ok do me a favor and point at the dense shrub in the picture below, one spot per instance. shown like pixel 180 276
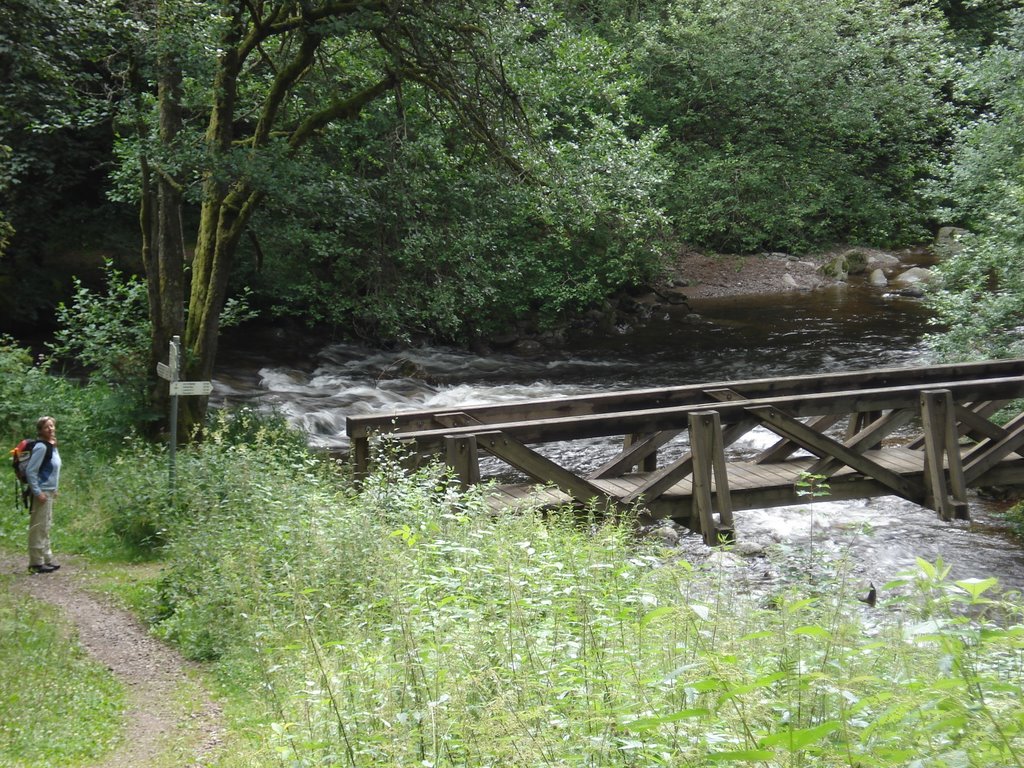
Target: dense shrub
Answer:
pixel 798 123
pixel 407 624
pixel 981 300
pixel 90 418
pixel 248 515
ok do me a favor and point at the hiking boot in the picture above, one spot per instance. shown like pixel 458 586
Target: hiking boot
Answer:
pixel 53 566
pixel 42 568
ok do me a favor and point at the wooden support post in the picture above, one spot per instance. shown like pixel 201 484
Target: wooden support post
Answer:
pixel 462 456
pixel 361 457
pixel 708 451
pixel 942 451
pixel 650 461
pixel 973 421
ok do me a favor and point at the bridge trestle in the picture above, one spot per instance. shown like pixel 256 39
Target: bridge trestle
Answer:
pixel 924 434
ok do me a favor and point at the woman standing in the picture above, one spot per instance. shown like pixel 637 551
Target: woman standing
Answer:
pixel 43 472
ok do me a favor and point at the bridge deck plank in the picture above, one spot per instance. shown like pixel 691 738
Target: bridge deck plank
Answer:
pixel 771 484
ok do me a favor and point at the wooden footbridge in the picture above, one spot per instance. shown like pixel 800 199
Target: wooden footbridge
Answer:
pixel 925 434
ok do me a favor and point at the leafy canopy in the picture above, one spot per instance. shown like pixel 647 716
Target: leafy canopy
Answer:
pixel 797 122
pixel 982 296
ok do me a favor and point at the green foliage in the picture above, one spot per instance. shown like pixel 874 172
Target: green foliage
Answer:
pixel 57 706
pixel 976 24
pixel 797 123
pixel 986 175
pixel 6 231
pixel 429 235
pixel 980 301
pixel 131 499
pixel 812 485
pixel 250 516
pixel 56 57
pixel 108 334
pixel 982 294
pixel 406 624
pixel 1015 516
pixel 132 509
pixel 28 390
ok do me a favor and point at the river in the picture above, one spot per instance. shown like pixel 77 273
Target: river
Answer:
pixel 316 386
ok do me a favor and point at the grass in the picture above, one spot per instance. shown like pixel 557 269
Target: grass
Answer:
pixel 406 625
pixel 401 623
pixel 57 707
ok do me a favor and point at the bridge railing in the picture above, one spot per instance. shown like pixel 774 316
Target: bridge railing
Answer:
pixel 361 428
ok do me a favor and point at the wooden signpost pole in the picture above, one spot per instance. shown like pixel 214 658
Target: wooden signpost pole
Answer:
pixel 170 372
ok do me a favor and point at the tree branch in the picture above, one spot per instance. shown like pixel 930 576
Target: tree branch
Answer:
pixel 326 11
pixel 342 109
pixel 283 83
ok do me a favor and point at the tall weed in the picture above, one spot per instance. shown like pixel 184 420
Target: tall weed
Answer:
pixel 252 515
pixel 407 624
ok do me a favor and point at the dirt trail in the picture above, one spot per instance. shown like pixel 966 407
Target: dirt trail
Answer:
pixel 158 730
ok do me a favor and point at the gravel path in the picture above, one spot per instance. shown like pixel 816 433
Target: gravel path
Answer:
pixel 158 730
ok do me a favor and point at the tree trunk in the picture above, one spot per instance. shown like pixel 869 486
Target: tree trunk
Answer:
pixel 163 249
pixel 223 215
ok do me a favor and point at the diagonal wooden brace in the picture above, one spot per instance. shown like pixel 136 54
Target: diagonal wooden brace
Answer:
pixel 784 448
pixel 635 453
pixel 989 453
pixel 870 436
pixel 543 469
pixel 825 447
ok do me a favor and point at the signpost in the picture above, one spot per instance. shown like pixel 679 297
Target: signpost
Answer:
pixel 187 388
pixel 170 372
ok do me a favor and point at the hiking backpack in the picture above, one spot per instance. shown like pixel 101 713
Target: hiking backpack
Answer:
pixel 20 454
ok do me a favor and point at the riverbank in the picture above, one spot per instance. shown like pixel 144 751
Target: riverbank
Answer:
pixel 690 280
pixel 700 275
pixel 707 275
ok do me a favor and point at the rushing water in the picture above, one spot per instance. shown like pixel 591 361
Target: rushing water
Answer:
pixel 846 328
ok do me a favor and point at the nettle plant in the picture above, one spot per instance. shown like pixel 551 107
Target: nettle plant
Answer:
pixel 404 623
pixel 487 640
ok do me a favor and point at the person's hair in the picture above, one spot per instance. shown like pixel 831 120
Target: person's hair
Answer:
pixel 41 422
